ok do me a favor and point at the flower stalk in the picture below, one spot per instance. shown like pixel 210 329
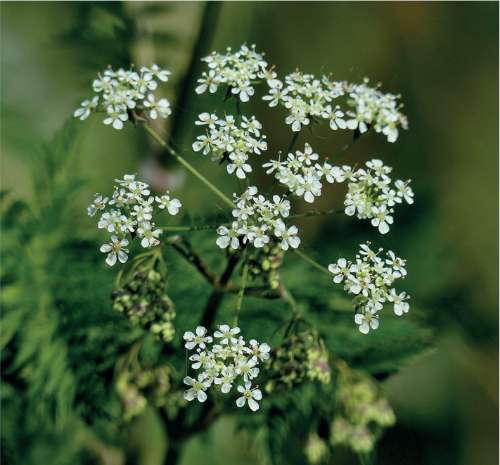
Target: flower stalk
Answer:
pixel 188 166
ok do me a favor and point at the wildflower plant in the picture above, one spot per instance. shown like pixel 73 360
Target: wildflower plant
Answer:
pixel 258 232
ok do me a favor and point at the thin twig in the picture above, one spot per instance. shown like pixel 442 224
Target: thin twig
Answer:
pixel 312 262
pixel 202 227
pixel 292 142
pixel 333 211
pixel 241 293
pixel 188 165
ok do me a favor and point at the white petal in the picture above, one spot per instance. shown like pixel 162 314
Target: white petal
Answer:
pixel 111 259
pixel 254 406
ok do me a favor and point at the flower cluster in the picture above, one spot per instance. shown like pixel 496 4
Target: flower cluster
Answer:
pixel 308 99
pixel 227 141
pixel 370 194
pixel 369 279
pixel 257 221
pixel 301 356
pixel 144 302
pixel 129 212
pixel 222 360
pixel 362 412
pixel 237 70
pixel 123 91
pixel 301 173
pixel 371 107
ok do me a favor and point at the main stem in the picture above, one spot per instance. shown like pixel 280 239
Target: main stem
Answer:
pixel 188 166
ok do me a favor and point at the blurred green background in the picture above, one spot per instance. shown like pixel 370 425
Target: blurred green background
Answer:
pixel 442 58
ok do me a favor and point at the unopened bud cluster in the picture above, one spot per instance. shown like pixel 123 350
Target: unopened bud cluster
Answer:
pixel 135 389
pixel 361 414
pixel 264 264
pixel 144 302
pixel 301 356
pixel 316 449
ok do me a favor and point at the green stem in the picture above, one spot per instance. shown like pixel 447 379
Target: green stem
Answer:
pixel 241 293
pixel 292 142
pixel 202 227
pixel 312 262
pixel 188 166
pixel 316 213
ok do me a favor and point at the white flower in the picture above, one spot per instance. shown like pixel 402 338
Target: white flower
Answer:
pixel 226 379
pixel 203 143
pixel 341 270
pixel 382 219
pixel 227 334
pixel 209 119
pixel 149 235
pixel 157 108
pixel 199 339
pixel 366 321
pixel 399 300
pixel 398 264
pixel 98 204
pixel 156 71
pixel 116 117
pixel 404 191
pixel 201 359
pixel 172 205
pixel 86 107
pixel 197 390
pixel 337 119
pixel 229 238
pixel 208 82
pixel 259 351
pixel 288 236
pixel 115 249
pixel 249 395
pixel 247 369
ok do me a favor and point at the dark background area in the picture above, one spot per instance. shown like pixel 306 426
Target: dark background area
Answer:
pixel 442 58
